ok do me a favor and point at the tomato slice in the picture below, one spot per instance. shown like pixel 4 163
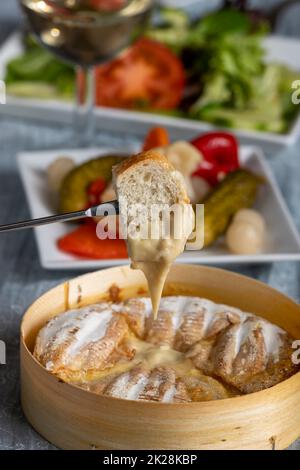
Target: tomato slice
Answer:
pixel 148 75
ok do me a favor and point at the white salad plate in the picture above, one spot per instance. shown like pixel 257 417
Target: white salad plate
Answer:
pixel 279 49
pixel 282 240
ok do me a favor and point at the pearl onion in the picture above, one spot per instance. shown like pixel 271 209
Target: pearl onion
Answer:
pixel 244 238
pixel 252 217
pixel 57 171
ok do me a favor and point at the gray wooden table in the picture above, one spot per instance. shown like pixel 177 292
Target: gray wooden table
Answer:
pixel 22 279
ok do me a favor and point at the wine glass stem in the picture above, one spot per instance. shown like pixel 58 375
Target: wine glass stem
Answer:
pixel 84 119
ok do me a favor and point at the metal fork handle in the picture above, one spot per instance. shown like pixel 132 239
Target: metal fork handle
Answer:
pixel 101 210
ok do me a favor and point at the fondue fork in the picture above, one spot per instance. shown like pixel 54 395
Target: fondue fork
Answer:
pixel 102 210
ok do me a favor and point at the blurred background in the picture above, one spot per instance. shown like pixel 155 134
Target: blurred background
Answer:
pixel 288 19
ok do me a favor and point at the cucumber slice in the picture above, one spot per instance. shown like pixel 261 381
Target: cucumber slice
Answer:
pixel 32 90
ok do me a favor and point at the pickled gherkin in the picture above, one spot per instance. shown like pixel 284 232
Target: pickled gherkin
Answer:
pixel 73 193
pixel 237 191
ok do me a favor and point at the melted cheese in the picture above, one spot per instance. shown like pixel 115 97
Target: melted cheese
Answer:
pixel 150 356
pixel 156 356
pixel 154 256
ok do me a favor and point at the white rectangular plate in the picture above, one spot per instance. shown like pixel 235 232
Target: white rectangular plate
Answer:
pixel 279 49
pixel 283 242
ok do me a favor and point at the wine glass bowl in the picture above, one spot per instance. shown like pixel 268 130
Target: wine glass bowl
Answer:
pixel 86 33
pixel 83 32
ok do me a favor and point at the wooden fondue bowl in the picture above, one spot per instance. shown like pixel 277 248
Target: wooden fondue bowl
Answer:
pixel 72 418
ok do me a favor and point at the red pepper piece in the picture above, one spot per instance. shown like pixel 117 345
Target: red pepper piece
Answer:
pixel 218 147
pixel 220 152
pixel 95 190
pixel 83 241
pixel 213 175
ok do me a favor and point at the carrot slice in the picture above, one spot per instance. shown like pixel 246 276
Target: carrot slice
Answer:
pixel 156 137
pixel 84 242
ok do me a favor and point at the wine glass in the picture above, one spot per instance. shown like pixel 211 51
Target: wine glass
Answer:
pixel 86 33
pixel 238 4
